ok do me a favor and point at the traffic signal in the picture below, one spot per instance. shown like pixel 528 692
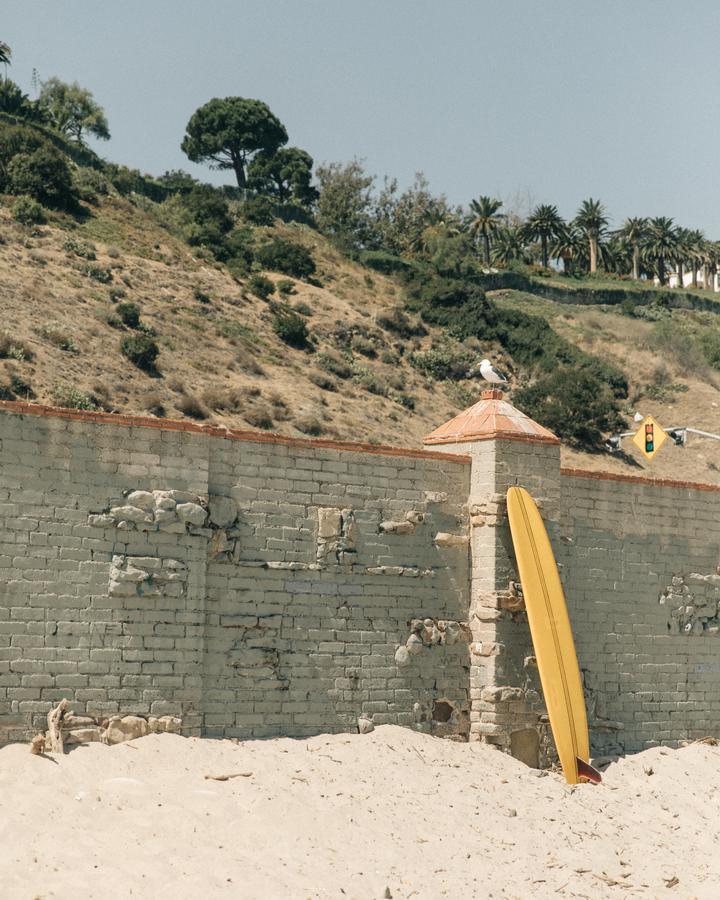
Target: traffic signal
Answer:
pixel 649 437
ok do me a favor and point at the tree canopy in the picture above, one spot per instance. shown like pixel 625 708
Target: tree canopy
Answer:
pixel 72 110
pixel 229 132
pixel 285 174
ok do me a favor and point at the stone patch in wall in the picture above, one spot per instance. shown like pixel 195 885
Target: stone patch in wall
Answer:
pixel 427 633
pixel 214 518
pixel 692 602
pixel 336 536
pixel 146 576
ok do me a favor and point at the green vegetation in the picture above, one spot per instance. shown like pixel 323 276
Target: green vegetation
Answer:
pixel 141 350
pixel 291 328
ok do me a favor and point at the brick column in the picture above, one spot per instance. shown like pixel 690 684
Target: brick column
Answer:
pixel 507 448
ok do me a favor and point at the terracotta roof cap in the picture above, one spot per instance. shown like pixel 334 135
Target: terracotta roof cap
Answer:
pixel 491 418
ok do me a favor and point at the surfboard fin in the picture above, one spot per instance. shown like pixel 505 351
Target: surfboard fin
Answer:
pixel 585 770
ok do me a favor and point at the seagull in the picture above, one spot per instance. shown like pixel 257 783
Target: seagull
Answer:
pixel 638 417
pixel 491 374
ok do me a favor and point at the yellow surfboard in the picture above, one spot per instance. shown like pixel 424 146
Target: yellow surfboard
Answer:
pixel 552 637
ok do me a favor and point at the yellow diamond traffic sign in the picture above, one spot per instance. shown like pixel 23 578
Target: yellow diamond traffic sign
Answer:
pixel 650 437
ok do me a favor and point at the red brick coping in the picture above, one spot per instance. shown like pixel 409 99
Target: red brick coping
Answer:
pixel 638 479
pixel 259 437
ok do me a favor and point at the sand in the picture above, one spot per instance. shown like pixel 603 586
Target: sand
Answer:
pixel 352 817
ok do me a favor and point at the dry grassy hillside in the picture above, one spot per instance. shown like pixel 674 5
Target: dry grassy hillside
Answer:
pixel 221 361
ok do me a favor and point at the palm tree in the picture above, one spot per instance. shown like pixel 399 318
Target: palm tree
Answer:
pixel 509 244
pixel 695 241
pixel 5 54
pixel 683 252
pixel 544 223
pixel 592 220
pixel 661 244
pixel 633 234
pixel 486 220
pixel 569 246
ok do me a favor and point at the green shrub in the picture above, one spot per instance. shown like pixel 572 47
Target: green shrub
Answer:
pixel 364 346
pixel 141 350
pixel 201 296
pixel 287 257
pixel 291 328
pixel 334 364
pixel 401 324
pixel 21 387
pixel 574 404
pixel 261 286
pixel 371 382
pixel 97 273
pixel 12 348
pixel 303 309
pixel 79 248
pixel 285 287
pixel 383 262
pixel 443 363
pixel 129 314
pixel 71 398
pixel 58 337
pixel 27 211
pixel 405 400
pixel 90 184
pixel 43 175
pixel 258 210
pixel 116 293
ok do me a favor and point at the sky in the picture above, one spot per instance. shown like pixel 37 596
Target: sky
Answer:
pixel 531 102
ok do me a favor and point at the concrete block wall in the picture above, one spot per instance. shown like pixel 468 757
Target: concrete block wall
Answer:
pixel 641 576
pixel 251 585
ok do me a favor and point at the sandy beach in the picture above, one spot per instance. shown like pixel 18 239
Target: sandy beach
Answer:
pixel 389 814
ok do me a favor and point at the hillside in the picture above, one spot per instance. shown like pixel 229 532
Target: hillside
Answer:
pixel 221 361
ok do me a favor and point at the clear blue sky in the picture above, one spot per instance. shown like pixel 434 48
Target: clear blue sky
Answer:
pixel 555 100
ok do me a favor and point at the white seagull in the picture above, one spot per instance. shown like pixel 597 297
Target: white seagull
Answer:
pixel 491 374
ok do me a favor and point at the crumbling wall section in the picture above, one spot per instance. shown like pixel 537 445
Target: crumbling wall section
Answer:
pixel 248 586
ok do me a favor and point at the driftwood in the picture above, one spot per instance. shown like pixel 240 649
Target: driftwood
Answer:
pixel 54 742
pixel 228 777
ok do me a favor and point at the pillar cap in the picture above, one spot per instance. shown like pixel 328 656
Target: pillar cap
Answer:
pixel 492 418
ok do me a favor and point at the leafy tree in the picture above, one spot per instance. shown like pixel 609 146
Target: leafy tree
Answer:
pixel 228 133
pixel 591 219
pixel 72 110
pixel 176 181
pixel 400 220
pixel 572 403
pixel 44 175
pixel 207 219
pixel 661 244
pixel 485 220
pixel 633 233
pixel 544 223
pixel 285 174
pixel 344 204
